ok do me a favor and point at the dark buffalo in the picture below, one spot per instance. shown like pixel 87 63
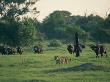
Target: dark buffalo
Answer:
pixel 2 50
pixel 70 49
pixel 38 49
pixel 9 50
pixel 6 50
pixel 19 50
pixel 99 50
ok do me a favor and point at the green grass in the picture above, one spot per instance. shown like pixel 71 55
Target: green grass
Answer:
pixel 31 67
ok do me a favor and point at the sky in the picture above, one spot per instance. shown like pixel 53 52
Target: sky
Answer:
pixel 76 7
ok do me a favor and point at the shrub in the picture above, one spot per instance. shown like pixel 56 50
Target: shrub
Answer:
pixel 55 43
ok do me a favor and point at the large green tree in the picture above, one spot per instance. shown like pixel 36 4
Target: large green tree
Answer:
pixel 13 31
pixel 61 25
pixel 54 25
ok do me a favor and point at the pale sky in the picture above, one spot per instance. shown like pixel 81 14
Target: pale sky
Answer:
pixel 76 7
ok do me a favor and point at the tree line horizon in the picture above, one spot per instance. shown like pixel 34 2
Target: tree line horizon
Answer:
pixel 59 25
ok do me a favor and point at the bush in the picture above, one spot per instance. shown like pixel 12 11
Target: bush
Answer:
pixel 55 43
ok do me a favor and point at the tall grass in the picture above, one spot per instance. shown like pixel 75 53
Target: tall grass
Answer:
pixel 31 67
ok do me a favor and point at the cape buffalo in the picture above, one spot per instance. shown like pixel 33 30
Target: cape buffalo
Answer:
pixel 38 49
pixel 99 50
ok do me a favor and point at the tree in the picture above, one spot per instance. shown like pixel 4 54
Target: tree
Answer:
pixel 54 25
pixel 107 22
pixel 61 25
pixel 89 24
pixel 14 8
pixel 72 29
pixel 27 32
pixel 9 32
pixel 102 34
pixel 12 30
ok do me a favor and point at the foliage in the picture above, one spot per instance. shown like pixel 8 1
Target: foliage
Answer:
pixel 9 32
pixel 27 32
pixel 102 35
pixel 55 43
pixel 17 33
pixel 62 25
pixel 54 25
pixel 12 9
pixel 14 31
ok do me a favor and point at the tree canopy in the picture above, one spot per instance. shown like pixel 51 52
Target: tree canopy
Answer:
pixel 63 25
pixel 60 25
pixel 12 30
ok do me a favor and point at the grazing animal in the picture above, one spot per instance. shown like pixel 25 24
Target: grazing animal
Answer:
pixel 75 49
pixel 102 51
pixel 38 49
pixel 14 50
pixel 61 60
pixel 19 50
pixel 10 50
pixel 2 50
pixel 70 49
pixel 7 50
pixel 99 50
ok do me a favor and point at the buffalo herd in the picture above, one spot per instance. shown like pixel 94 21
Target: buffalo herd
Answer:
pixel 6 50
pixel 98 49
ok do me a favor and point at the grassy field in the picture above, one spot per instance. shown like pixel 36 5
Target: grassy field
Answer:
pixel 31 67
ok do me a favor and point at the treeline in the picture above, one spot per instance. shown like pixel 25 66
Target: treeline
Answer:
pixel 60 25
